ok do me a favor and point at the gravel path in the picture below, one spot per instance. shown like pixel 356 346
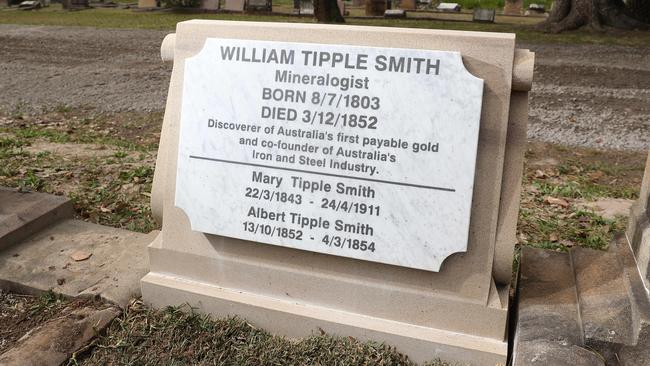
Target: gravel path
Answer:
pixel 584 95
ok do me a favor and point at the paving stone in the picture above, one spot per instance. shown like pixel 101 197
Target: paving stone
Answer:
pixel 640 353
pixel 548 331
pixel 55 341
pixel 608 208
pixel 24 213
pixel 117 263
pixel 606 307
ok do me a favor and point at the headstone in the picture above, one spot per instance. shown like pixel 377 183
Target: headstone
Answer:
pixel 210 4
pixel 452 7
pixel 408 4
pixel 395 13
pixel 75 4
pixel 259 5
pixel 513 7
pixel 484 15
pixel 234 5
pixel 537 8
pixel 376 8
pixel 307 7
pixel 358 3
pixel 144 4
pixel 352 180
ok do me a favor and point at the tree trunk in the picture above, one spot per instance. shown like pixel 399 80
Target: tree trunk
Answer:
pixel 327 11
pixel 639 10
pixel 573 14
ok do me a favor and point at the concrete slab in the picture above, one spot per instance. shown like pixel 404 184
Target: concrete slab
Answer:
pixel 608 208
pixel 43 262
pixel 548 330
pixel 24 213
pixel 54 342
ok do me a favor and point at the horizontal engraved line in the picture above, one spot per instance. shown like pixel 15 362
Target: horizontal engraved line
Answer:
pixel 322 173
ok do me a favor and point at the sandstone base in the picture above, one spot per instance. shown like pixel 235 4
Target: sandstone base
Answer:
pixel 293 317
pixel 301 320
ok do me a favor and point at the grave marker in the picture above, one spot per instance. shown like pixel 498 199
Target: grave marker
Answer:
pixel 396 224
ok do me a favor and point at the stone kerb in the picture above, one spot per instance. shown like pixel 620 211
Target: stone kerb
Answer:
pixel 638 232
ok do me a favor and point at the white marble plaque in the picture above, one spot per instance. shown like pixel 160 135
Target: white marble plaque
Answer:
pixel 360 152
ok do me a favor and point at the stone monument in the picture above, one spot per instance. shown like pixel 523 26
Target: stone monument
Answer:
pixel 408 4
pixel 513 7
pixel 235 5
pixel 147 4
pixel 363 185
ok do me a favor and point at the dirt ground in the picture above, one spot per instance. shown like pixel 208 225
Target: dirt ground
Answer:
pixel 21 313
pixel 584 95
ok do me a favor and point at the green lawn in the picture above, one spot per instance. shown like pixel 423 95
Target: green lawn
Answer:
pixel 165 20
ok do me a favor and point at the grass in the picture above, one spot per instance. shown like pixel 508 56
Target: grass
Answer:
pixel 552 215
pixel 179 336
pixel 164 20
pixel 103 163
pixel 498 4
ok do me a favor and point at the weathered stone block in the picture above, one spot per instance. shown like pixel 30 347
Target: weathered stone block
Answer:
pixel 25 213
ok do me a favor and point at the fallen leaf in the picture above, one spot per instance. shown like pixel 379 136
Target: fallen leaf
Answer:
pixel 104 209
pixel 556 201
pixel 553 237
pixel 80 255
pixel 567 243
pixel 597 175
pixel 540 174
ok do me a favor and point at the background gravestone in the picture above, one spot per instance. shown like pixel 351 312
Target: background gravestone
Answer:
pixel 235 5
pixel 513 7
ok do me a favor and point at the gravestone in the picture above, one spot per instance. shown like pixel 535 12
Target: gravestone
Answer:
pixel 376 8
pixel 395 13
pixel 235 5
pixel 484 15
pixel 359 180
pixel 259 5
pixel 450 7
pixel 537 8
pixel 307 7
pixel 408 4
pixel 513 7
pixel 210 4
pixel 144 4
